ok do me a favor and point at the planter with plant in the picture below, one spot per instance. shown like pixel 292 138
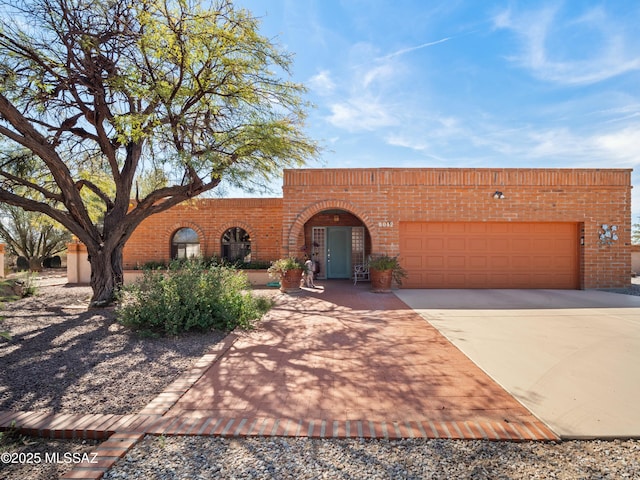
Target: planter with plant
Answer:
pixel 384 270
pixel 289 272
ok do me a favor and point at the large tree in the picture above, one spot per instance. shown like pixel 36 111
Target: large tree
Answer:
pixel 130 88
pixel 31 234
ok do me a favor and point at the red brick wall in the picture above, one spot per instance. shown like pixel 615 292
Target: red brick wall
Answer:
pixel 382 198
pixel 260 217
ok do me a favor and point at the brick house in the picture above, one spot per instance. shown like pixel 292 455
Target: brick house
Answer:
pixel 453 228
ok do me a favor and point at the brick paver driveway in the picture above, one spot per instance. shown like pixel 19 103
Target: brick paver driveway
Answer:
pixel 340 353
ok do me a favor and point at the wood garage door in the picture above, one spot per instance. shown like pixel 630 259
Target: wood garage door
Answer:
pixel 489 255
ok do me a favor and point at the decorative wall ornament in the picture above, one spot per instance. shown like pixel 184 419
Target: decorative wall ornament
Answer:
pixel 608 234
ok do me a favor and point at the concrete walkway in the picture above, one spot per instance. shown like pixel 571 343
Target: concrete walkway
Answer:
pixel 571 357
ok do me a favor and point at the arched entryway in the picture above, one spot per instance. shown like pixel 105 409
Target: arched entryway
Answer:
pixel 336 240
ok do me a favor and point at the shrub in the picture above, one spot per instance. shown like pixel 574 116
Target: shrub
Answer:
pixel 253 265
pixel 152 265
pixel 24 285
pixel 190 296
pixel 281 266
pixel 385 262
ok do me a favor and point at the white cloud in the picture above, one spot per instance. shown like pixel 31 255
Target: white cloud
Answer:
pixel 563 146
pixel 584 50
pixel 406 141
pixel 379 73
pixel 621 145
pixel 361 114
pixel 363 98
pixel 490 142
pixel 322 83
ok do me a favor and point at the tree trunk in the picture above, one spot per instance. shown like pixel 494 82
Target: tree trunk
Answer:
pixel 106 275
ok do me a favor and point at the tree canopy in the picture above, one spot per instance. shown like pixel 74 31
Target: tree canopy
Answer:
pixel 96 94
pixel 31 234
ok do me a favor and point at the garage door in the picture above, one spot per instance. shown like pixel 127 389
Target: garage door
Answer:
pixel 489 255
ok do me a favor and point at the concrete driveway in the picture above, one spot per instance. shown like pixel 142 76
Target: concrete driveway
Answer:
pixel 571 357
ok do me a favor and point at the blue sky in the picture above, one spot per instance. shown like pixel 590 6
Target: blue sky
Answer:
pixel 426 83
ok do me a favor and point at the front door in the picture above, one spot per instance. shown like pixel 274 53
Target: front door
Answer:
pixel 338 252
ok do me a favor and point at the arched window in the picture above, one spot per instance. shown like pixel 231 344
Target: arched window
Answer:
pixel 236 245
pixel 185 244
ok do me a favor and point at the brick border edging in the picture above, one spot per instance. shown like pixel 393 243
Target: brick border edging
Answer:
pixel 123 432
pixel 120 432
pixel 345 429
pixel 71 427
pixel 120 442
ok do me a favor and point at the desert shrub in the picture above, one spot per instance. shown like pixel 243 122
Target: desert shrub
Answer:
pixel 25 285
pixel 190 296
pixel 253 265
pixel 152 265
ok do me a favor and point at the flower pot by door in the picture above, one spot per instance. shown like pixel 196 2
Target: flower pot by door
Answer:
pixel 290 281
pixel 381 280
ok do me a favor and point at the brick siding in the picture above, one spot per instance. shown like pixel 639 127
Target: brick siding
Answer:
pixel 382 198
pixel 210 218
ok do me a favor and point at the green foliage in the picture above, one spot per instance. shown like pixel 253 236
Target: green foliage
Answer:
pixel 150 181
pixel 213 261
pixel 95 180
pixel 12 438
pixel 385 262
pixel 253 265
pixel 153 265
pixel 15 288
pixel 7 291
pixel 635 233
pixel 4 334
pixel 283 265
pixel 31 234
pixel 155 101
pixel 190 296
pixel 29 284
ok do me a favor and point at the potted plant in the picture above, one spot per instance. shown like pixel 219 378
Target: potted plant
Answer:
pixel 289 272
pixel 384 270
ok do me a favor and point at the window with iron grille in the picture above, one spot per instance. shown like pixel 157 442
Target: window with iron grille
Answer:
pixel 236 245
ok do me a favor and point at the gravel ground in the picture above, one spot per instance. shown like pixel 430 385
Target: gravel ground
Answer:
pixel 63 358
pixel 158 458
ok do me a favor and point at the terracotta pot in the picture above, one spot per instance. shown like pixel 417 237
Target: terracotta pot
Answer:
pixel 381 280
pixel 290 281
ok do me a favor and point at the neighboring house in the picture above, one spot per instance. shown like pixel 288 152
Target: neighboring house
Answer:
pixel 453 228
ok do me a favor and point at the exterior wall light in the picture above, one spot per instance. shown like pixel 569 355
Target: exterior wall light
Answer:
pixel 498 195
pixel 336 218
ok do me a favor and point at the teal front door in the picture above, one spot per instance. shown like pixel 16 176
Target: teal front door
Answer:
pixel 338 252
